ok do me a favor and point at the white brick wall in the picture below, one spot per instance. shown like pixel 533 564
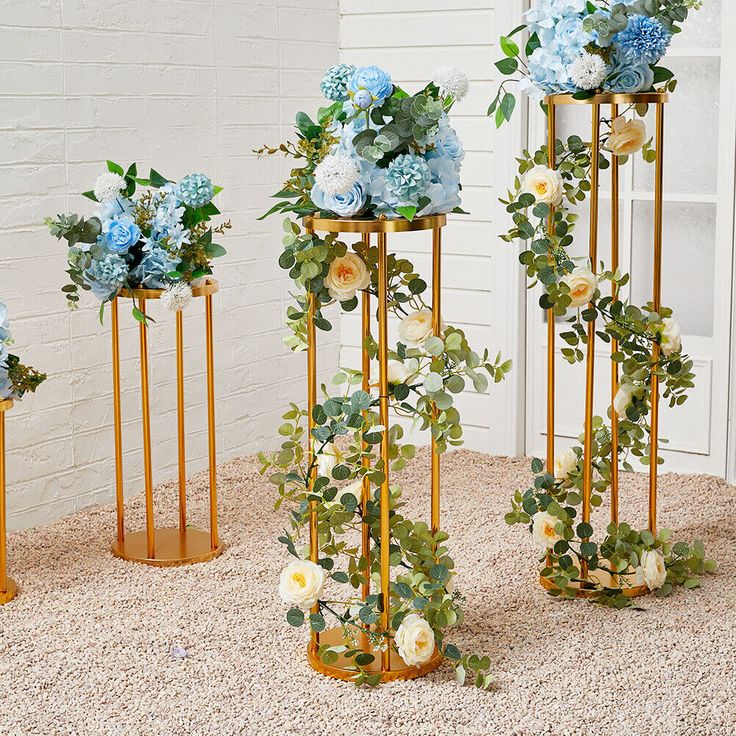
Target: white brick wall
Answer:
pixel 181 85
pixel 482 283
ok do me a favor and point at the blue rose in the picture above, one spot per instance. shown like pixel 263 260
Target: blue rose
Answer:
pixel 122 235
pixel 374 80
pixel 447 144
pixel 626 77
pixel 343 205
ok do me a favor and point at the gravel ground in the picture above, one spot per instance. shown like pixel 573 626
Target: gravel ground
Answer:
pixel 86 650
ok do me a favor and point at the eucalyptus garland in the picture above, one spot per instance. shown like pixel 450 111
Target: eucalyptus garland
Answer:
pixel 541 204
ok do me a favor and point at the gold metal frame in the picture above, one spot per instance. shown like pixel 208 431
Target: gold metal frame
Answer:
pixel 8 587
pixel 182 545
pixel 659 99
pixel 387 663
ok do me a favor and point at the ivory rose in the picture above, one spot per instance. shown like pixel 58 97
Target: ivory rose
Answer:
pixel 652 569
pixel 671 338
pixel 302 583
pixel 582 283
pixel 627 136
pixel 398 372
pixel 545 184
pixel 327 459
pixel 416 328
pixel 543 529
pixel 414 640
pixel 622 400
pixel 348 275
pixel 565 463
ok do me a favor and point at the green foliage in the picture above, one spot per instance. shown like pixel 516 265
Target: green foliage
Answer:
pixel 22 377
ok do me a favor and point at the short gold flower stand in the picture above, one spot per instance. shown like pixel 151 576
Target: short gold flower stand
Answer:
pixel 181 545
pixel 596 103
pixel 8 588
pixel 387 663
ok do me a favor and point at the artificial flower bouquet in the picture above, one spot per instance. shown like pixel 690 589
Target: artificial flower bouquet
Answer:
pixel 156 238
pixel 581 47
pixel 15 378
pixel 376 151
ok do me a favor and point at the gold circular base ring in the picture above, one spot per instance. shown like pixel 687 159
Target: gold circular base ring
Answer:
pixel 344 669
pixel 603 578
pixel 207 287
pixel 368 225
pixel 610 98
pixel 11 590
pixel 171 547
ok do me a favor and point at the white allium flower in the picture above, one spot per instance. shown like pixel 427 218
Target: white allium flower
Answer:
pixel 588 71
pixel 452 81
pixel 337 174
pixel 108 186
pixel 177 296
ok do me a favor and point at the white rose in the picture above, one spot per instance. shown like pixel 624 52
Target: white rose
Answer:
pixel 565 463
pixel 545 184
pixel 622 399
pixel 415 640
pixel 543 529
pixel 671 339
pixel 399 372
pixel 652 569
pixel 348 275
pixel 416 328
pixel 627 136
pixel 582 283
pixel 327 459
pixel 302 583
pixel 354 489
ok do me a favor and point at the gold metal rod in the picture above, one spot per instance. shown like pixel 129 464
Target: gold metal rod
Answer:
pixel 657 300
pixel 180 420
pixel 311 403
pixel 552 162
pixel 366 489
pixel 214 537
pixel 147 470
pixel 3 520
pixel 615 192
pixel 437 329
pixel 383 399
pixel 590 364
pixel 118 422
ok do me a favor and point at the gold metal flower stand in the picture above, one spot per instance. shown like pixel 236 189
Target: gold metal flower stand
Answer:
pixel 387 663
pixel 183 544
pixel 596 104
pixel 8 588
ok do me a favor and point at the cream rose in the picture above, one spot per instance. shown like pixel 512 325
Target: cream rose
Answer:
pixel 327 459
pixel 622 400
pixel 582 283
pixel 348 275
pixel 543 529
pixel 416 328
pixel 415 640
pixel 652 569
pixel 399 372
pixel 545 184
pixel 627 136
pixel 302 583
pixel 354 489
pixel 565 463
pixel 671 338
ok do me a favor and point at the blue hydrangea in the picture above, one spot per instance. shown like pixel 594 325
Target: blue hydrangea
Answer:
pixel 4 324
pixel 348 204
pixel 644 41
pixel 334 84
pixel 151 272
pixel 628 78
pixel 195 190
pixel 374 80
pixel 571 38
pixel 543 17
pixel 548 70
pixel 447 144
pixel 106 275
pixel 444 191
pixel 407 178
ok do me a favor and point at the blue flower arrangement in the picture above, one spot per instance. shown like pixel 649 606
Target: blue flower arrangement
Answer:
pixel 155 238
pixel 375 150
pixel 16 379
pixel 582 47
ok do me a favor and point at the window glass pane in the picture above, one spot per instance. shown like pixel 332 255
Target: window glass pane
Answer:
pixel 702 28
pixel 688 262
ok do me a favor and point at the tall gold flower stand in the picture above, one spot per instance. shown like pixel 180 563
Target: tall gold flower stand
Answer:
pixel 183 544
pixel 387 663
pixel 8 588
pixel 597 106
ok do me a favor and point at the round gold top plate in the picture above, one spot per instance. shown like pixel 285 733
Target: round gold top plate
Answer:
pixel 614 98
pixel 373 225
pixel 6 404
pixel 208 287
